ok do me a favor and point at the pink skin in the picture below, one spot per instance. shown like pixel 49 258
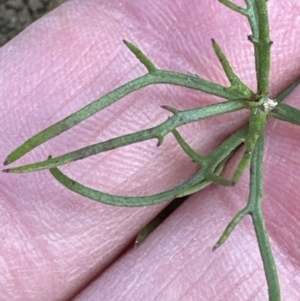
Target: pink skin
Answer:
pixel 54 242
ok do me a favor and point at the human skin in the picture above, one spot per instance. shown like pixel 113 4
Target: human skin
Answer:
pixel 56 245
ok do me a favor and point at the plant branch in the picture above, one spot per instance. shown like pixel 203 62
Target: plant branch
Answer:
pixel 201 161
pixel 155 77
pixel 287 113
pixel 286 92
pixel 159 132
pixel 236 83
pixel 254 209
pixel 256 126
pixel 188 150
pixel 256 196
pixel 141 57
pixel 257 14
pixel 234 7
pixel 215 158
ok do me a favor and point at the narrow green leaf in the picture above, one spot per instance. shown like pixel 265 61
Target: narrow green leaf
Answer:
pixel 236 83
pixel 230 227
pixel 234 7
pixel 188 150
pixel 159 77
pixel 286 113
pixel 214 159
pixel 178 119
pixel 141 56
pixel 286 92
pixel 114 200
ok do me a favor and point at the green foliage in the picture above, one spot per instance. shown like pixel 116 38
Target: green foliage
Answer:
pixel 236 97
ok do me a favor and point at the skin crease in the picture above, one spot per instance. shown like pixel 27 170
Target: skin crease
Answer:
pixel 59 246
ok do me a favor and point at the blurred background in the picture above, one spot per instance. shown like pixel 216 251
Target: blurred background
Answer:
pixel 15 15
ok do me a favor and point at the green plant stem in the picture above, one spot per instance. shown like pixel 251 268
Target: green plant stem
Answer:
pixel 236 83
pixel 234 7
pixel 258 19
pixel 212 161
pixel 125 201
pixel 188 150
pixel 155 77
pixel 254 209
pixel 256 125
pixel 201 161
pixel 266 255
pixel 286 113
pixel 255 198
pixel 158 132
pixel 257 15
pixel 287 91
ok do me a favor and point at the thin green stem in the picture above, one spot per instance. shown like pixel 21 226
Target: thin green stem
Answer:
pixel 234 7
pixel 201 161
pixel 256 126
pixel 255 198
pixel 141 56
pixel 230 227
pixel 155 77
pixel 254 208
pixel 236 83
pixel 257 15
pixel 124 201
pixel 286 92
pixel 287 113
pixel 188 150
pixel 258 19
pixel 159 132
pixel 216 157
pixel 266 255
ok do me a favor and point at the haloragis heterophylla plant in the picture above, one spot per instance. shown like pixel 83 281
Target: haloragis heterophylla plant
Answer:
pixel 256 101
